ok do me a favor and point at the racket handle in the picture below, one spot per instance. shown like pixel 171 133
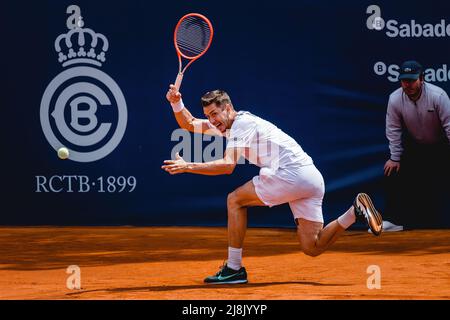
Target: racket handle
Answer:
pixel 178 81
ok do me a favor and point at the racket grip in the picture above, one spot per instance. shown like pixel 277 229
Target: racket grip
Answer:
pixel 178 81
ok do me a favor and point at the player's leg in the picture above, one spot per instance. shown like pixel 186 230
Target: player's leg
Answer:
pixel 314 239
pixel 237 203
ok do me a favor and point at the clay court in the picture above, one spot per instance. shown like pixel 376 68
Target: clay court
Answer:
pixel 171 262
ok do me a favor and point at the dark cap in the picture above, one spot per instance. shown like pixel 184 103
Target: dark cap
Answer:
pixel 410 70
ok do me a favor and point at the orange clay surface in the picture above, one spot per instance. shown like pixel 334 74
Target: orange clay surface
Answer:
pixel 171 262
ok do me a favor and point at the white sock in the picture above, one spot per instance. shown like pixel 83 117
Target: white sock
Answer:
pixel 234 258
pixel 347 219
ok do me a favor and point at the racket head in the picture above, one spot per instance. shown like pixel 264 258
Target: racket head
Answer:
pixel 193 36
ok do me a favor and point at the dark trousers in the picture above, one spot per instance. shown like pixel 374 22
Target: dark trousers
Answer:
pixel 419 195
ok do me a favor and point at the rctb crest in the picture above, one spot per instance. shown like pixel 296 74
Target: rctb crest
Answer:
pixel 83 108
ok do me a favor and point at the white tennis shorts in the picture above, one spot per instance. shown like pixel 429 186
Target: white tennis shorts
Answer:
pixel 302 187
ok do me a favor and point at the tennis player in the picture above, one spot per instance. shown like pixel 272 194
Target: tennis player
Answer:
pixel 287 175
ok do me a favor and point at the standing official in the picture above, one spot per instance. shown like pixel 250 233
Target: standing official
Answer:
pixel 417 173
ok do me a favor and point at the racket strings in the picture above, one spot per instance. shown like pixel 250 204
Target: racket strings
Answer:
pixel 188 48
pixel 193 36
pixel 192 43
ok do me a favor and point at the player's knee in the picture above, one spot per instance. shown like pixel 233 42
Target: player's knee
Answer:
pixel 232 200
pixel 311 251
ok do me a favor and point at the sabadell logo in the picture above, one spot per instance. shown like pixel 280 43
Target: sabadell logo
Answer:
pixel 392 72
pixel 410 29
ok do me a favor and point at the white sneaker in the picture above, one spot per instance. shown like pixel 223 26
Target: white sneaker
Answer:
pixel 389 227
pixel 364 210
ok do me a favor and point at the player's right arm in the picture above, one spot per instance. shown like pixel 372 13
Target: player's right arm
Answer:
pixel 184 117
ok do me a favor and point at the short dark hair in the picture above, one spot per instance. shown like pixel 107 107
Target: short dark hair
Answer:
pixel 218 97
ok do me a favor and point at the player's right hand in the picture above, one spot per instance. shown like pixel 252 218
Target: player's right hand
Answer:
pixel 390 167
pixel 173 95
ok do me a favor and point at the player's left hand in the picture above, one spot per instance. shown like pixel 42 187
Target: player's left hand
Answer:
pixel 175 166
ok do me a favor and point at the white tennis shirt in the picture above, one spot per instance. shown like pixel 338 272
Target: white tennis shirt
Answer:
pixel 264 144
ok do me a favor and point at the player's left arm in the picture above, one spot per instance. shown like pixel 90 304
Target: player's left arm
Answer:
pixel 211 168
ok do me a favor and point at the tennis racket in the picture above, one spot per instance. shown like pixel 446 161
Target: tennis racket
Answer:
pixel 192 38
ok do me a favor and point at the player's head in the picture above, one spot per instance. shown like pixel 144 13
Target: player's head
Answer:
pixel 411 78
pixel 218 109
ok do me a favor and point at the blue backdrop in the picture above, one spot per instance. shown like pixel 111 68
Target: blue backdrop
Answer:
pixel 317 69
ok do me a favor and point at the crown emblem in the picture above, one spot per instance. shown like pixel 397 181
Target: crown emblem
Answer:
pixel 81 45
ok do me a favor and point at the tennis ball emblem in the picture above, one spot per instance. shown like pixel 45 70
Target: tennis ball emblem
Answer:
pixel 83 108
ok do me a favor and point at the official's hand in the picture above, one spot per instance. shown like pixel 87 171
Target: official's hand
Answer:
pixel 175 166
pixel 173 95
pixel 391 166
